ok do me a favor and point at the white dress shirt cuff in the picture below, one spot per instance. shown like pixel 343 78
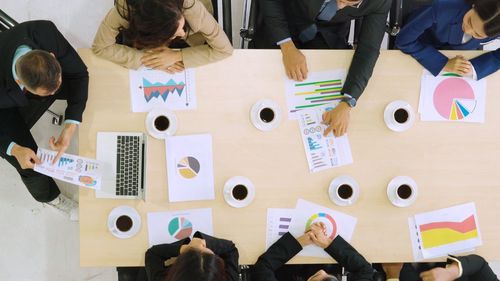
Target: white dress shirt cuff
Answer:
pixel 284 41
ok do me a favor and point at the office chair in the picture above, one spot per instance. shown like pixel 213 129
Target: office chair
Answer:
pixel 400 10
pixel 222 13
pixel 6 22
pixel 253 22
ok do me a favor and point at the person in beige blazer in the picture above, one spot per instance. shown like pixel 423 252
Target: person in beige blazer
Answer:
pixel 153 25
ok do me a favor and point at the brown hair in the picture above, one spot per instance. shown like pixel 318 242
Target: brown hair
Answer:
pixel 195 265
pixel 151 23
pixel 39 69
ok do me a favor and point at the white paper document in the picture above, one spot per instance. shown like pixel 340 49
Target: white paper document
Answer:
pixel 190 168
pixel 446 231
pixel 318 91
pixel 73 169
pixel 322 152
pixel 452 98
pixel 157 89
pixel 170 227
pixel 278 223
pixel 337 223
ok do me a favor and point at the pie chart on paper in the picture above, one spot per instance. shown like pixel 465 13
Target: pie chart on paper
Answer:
pixel 180 228
pixel 188 167
pixel 454 99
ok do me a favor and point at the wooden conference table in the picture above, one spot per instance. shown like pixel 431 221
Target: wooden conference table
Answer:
pixel 451 163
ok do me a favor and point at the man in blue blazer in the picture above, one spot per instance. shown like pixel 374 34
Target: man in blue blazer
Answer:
pixel 453 25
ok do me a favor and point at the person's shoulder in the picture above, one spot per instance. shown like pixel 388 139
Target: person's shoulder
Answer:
pixel 37 24
pixel 450 6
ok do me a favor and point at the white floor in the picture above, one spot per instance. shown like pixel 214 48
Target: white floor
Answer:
pixel 39 243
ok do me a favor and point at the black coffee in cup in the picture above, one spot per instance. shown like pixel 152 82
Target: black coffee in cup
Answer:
pixel 162 123
pixel 266 115
pixel 124 223
pixel 404 191
pixel 345 191
pixel 401 115
pixel 240 192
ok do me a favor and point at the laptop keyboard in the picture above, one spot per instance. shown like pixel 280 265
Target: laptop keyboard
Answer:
pixel 127 165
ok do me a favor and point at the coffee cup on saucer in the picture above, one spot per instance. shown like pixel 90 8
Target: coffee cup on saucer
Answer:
pixel 239 192
pixel 161 123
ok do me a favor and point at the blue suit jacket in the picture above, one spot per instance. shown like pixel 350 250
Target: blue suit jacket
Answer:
pixel 439 26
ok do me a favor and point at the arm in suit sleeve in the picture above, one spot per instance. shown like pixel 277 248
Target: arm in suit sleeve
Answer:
pixel 226 250
pixel 157 255
pixel 367 51
pixel 75 78
pixel 275 257
pixel 486 64
pixel 349 258
pixel 408 41
pixel 275 19
pixel 105 45
pixel 476 268
pixel 218 46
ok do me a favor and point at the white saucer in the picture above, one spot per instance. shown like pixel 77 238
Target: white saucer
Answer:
pixel 255 118
pixel 230 183
pixel 338 181
pixel 389 116
pixel 124 210
pixel 394 184
pixel 150 123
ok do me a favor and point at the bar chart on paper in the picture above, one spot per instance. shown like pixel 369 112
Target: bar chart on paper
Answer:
pixel 278 223
pixel 320 90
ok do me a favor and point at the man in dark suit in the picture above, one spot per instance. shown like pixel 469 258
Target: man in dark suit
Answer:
pixel 324 24
pixel 38 66
pixel 287 247
pixel 466 268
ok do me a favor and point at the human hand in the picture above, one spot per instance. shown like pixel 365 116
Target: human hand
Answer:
pixel 176 67
pixel 441 274
pixel 344 3
pixel 294 61
pixel 458 65
pixel 63 141
pixel 304 240
pixel 337 119
pixel 319 236
pixel 197 244
pixel 161 58
pixel 25 156
pixel 392 270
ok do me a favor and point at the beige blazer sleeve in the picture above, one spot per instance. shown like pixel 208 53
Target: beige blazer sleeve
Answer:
pixel 202 22
pixel 105 45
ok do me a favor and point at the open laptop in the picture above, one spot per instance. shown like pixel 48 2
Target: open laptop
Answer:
pixel 124 158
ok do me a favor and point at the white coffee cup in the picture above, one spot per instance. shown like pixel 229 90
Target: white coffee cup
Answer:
pixel 161 123
pixel 239 191
pixel 124 222
pixel 402 191
pixel 343 191
pixel 399 116
pixel 265 115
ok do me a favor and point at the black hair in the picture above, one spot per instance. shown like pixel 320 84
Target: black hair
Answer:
pixel 194 265
pixel 489 12
pixel 39 69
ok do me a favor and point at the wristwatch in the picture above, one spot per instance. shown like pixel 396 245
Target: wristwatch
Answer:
pixel 349 100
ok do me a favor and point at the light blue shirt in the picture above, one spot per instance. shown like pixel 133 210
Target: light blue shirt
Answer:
pixel 21 51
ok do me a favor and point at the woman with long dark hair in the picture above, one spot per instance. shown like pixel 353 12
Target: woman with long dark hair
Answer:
pixel 166 35
pixel 453 25
pixel 204 258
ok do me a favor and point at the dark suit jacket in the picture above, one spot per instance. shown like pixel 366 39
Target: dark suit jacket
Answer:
pixel 225 249
pixel 475 268
pixel 287 247
pixel 42 35
pixel 287 18
pixel 439 26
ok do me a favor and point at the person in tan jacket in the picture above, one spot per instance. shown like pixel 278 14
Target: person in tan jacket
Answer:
pixel 167 35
